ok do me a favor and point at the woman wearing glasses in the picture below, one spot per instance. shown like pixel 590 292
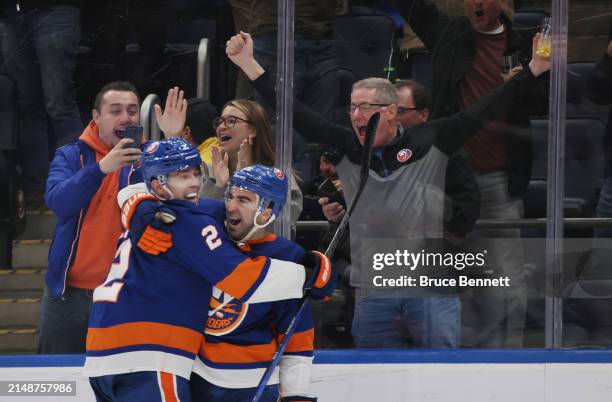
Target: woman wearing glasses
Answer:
pixel 245 138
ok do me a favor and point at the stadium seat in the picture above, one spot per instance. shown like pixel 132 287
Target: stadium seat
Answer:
pixel 364 44
pixel 584 166
pixel 587 294
pixel 531 19
pixel 578 102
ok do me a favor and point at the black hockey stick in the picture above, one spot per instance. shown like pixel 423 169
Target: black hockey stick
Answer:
pixel 363 178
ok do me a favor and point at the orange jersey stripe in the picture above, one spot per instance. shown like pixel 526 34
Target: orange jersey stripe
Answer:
pixel 300 341
pixel 230 353
pixel 143 333
pixel 242 278
pixel 129 207
pixel 167 386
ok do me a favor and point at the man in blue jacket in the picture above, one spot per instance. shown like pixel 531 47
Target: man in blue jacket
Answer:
pixel 84 179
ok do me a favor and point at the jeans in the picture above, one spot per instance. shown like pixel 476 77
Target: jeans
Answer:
pixel 315 82
pixel 63 321
pixel 385 318
pixel 202 390
pixel 39 49
pixel 494 317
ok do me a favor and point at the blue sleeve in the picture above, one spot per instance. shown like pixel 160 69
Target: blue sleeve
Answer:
pixel 201 245
pixel 284 311
pixel 71 187
pixel 214 207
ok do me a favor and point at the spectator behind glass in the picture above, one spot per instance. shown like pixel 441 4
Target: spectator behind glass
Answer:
pixel 199 128
pixel 84 179
pixel 403 198
pixel 462 206
pixel 245 138
pixel 39 42
pixel 454 8
pixel 315 78
pixel 471 47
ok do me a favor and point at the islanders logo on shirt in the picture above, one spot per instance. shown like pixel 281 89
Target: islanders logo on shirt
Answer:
pixel 225 314
pixel 403 155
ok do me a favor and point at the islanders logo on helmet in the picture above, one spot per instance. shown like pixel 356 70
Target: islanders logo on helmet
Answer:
pixel 270 184
pixel 166 156
pixel 152 147
pixel 403 155
pixel 279 173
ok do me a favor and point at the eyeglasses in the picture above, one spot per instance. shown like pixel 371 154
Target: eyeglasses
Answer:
pixel 229 121
pixel 402 110
pixel 364 107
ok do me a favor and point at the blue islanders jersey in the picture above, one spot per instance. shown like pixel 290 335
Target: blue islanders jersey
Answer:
pixel 241 338
pixel 149 315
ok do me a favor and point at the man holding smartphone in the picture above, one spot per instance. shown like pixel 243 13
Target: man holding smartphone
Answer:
pixel 84 179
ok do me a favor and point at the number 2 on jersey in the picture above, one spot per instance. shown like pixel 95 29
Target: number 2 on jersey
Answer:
pixel 211 236
pixel 110 293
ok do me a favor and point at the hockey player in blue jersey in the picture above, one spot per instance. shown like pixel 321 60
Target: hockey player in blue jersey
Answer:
pixel 241 338
pixel 146 321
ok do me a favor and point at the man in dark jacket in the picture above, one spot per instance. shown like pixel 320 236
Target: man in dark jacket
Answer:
pixel 466 57
pixel 403 198
pixel 39 42
pixel 462 206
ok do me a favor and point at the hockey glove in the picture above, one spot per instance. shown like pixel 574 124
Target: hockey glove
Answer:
pixel 320 275
pixel 297 399
pixel 151 227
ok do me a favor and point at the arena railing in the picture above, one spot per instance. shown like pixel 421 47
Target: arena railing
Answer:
pixel 496 223
pixel 203 78
pixel 147 118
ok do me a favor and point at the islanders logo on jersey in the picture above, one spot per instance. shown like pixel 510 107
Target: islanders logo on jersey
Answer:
pixel 153 147
pixel 224 314
pixel 403 155
pixel 279 174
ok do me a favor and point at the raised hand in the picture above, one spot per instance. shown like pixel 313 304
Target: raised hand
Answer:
pixel 119 157
pixel 239 49
pixel 245 153
pixel 538 64
pixel 172 119
pixel 220 166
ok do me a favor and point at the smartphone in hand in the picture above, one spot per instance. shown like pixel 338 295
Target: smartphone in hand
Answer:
pixel 135 133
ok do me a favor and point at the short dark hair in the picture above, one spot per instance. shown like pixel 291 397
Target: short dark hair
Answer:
pixel 200 116
pixel 122 86
pixel 419 92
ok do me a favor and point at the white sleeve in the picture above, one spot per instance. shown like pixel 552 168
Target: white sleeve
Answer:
pixel 295 375
pixel 284 280
pixel 128 191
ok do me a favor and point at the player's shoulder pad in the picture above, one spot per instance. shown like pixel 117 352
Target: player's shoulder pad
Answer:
pixel 129 207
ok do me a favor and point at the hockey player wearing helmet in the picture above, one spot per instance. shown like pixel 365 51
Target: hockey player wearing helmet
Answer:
pixel 239 334
pixel 255 197
pixel 147 317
